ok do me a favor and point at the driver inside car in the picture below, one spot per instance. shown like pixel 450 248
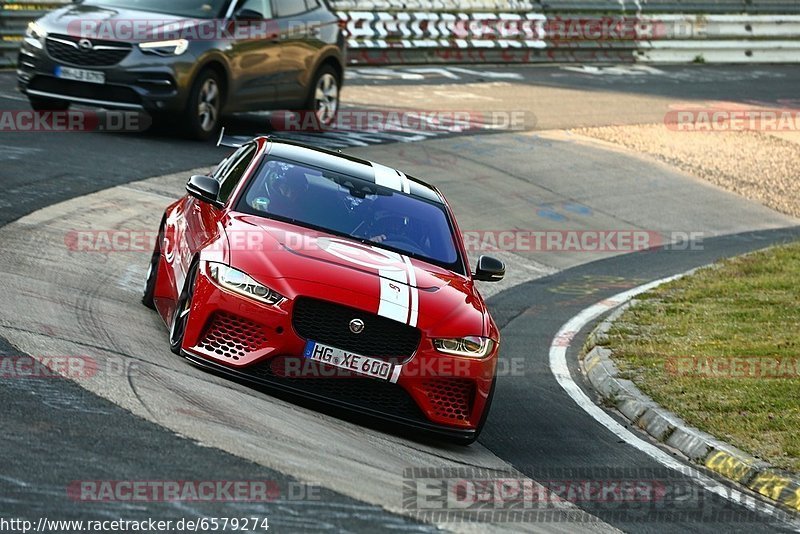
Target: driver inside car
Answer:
pixel 290 194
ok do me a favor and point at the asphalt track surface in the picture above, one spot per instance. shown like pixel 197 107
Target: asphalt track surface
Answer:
pixel 548 439
pixel 57 432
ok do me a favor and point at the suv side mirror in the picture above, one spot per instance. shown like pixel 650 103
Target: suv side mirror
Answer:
pixel 247 15
pixel 489 269
pixel 204 188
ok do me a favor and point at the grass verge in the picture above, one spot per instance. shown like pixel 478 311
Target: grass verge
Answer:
pixel 721 348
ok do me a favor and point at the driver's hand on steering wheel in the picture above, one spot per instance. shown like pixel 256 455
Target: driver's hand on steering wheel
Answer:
pixel 378 238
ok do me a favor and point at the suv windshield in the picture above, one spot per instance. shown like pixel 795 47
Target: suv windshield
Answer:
pixel 200 9
pixel 347 206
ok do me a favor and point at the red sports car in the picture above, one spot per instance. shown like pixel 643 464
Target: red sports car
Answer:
pixel 331 277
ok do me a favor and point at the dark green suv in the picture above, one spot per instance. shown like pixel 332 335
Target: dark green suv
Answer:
pixel 186 59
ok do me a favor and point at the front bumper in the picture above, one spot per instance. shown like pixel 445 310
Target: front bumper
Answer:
pixel 138 82
pixel 258 343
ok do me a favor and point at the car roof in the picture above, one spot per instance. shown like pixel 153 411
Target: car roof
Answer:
pixel 350 165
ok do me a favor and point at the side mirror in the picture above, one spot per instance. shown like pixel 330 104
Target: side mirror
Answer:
pixel 247 15
pixel 490 269
pixel 204 188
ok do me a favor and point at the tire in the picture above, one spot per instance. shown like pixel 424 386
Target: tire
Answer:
pixel 204 110
pixel 152 274
pixel 48 104
pixel 181 316
pixel 323 99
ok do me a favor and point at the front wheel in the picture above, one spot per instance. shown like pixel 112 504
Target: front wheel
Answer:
pixel 204 110
pixel 324 98
pixel 181 316
pixel 152 274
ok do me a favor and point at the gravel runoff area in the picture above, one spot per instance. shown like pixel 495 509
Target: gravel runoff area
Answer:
pixel 757 165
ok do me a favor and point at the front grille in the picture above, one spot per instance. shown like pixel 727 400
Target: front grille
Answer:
pixel 378 395
pixel 450 398
pixel 232 337
pixel 65 48
pixel 329 323
pixel 93 91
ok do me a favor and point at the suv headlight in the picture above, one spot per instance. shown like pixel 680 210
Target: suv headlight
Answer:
pixel 35 34
pixel 470 346
pixel 174 47
pixel 238 282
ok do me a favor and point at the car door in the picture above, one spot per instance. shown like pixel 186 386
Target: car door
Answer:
pixel 299 22
pixel 254 55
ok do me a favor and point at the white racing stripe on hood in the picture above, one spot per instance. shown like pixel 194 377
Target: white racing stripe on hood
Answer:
pixel 412 282
pixel 399 296
pixel 394 295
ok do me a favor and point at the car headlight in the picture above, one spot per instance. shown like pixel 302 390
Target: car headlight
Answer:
pixel 238 282
pixel 35 34
pixel 470 346
pixel 174 47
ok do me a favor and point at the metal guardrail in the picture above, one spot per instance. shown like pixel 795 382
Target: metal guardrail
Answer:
pixel 401 37
pixel 725 39
pixel 612 7
pixel 14 18
pixel 388 32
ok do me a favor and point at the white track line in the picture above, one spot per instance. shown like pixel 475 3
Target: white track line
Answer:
pixel 558 365
pixel 10 97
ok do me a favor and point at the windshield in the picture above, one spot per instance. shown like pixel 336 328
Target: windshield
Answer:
pixel 200 9
pixel 351 207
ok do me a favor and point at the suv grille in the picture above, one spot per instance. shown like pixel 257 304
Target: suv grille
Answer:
pixel 112 93
pixel 65 48
pixel 329 323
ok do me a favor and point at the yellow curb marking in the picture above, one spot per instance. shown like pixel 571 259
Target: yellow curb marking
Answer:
pixel 770 485
pixel 591 364
pixel 794 500
pixel 726 465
